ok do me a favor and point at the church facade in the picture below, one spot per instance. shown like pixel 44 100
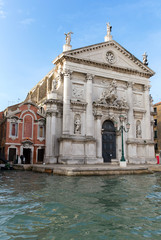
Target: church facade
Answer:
pixel 89 97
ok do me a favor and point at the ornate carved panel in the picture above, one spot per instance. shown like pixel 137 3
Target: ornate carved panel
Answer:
pixel 78 91
pixel 138 100
pixel 138 87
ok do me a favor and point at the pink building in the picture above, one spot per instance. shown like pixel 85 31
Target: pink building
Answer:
pixel 22 129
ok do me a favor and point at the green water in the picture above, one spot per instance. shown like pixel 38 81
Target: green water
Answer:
pixel 41 206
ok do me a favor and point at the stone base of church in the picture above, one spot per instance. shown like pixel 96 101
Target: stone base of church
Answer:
pixel 142 161
pixel 141 152
pixel 50 159
pixel 76 160
pixel 78 150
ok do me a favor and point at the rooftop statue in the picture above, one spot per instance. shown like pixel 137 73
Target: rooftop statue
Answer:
pixel 68 37
pixel 145 59
pixel 108 37
pixel 109 28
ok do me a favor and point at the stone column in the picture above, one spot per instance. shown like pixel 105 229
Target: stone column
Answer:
pixel 131 132
pixel 48 138
pixel 89 109
pixel 147 122
pixel 99 135
pixel 66 102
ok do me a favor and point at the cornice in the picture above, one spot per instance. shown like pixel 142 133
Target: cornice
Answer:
pixel 55 101
pixel 70 55
pixel 78 103
pixel 27 142
pixel 106 106
pixel 108 66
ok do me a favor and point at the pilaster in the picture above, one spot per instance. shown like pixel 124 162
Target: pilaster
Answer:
pixel 99 136
pixel 131 132
pixel 89 109
pixel 147 125
pixel 66 101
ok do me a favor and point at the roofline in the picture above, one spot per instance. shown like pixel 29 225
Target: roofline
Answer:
pixel 157 104
pixel 112 42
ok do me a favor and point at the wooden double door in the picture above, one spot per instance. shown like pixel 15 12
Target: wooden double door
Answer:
pixel 108 141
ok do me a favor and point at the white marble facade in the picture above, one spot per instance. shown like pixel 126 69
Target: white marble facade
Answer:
pixel 92 86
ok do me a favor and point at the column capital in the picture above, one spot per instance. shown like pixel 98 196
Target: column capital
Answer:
pixel 89 77
pixel 50 113
pixel 130 84
pixel 67 72
pixel 146 87
pixel 98 116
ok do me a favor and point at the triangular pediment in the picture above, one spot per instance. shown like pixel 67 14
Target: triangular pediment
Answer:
pixel 109 53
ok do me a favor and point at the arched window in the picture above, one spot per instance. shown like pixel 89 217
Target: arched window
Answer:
pixel 14 129
pixel 27 127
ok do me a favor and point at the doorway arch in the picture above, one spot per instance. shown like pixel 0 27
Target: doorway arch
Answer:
pixel 108 141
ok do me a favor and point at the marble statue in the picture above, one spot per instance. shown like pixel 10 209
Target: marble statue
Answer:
pixel 145 59
pixel 68 37
pixel 138 129
pixel 77 125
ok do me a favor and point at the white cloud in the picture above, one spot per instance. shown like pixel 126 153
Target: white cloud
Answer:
pixel 2 12
pixel 27 21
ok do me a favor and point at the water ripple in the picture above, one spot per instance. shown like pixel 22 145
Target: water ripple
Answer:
pixel 41 206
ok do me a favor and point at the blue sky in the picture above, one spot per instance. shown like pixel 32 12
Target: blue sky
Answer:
pixel 32 35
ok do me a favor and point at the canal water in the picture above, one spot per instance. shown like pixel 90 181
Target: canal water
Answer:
pixel 40 206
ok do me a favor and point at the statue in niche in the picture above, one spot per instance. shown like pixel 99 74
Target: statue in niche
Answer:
pixel 77 125
pixel 138 129
pixel 56 84
pixel 68 37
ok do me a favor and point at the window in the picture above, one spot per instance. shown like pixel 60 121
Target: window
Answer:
pixel 155 109
pixel 155 122
pixel 41 131
pixel 27 127
pixel 14 130
pixel 155 134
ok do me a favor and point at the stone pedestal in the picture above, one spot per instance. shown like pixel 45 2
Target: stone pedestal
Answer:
pixel 66 47
pixel 123 164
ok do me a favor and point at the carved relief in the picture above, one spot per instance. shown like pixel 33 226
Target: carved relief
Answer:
pixel 109 97
pixel 138 87
pixel 138 129
pixel 138 100
pixel 110 57
pixel 77 91
pixel 77 124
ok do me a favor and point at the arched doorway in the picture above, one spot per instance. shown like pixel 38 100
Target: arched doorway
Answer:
pixel 108 141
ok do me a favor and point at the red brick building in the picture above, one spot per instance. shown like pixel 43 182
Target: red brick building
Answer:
pixel 22 129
